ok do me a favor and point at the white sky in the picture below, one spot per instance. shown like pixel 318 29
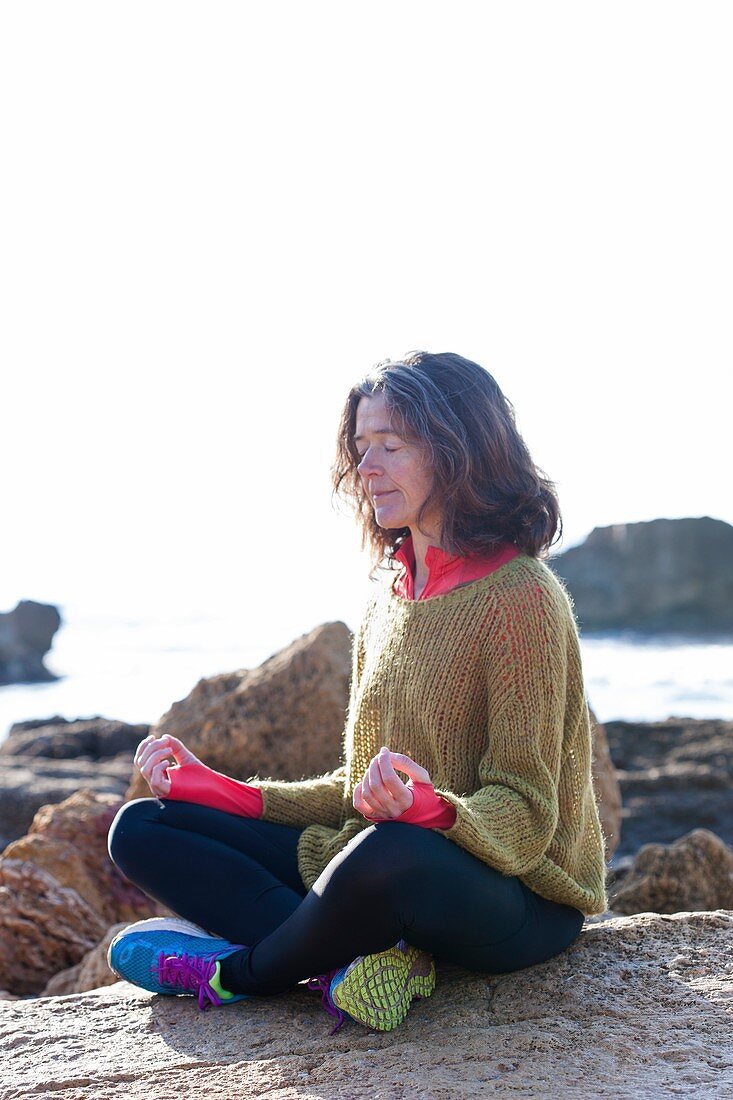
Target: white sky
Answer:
pixel 216 216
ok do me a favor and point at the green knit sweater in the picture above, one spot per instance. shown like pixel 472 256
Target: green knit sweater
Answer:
pixel 483 686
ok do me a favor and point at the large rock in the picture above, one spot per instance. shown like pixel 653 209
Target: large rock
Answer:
pixel 637 1007
pixel 26 634
pixel 92 972
pixel 59 892
pixel 63 738
pixel 696 872
pixel 674 776
pixel 27 783
pixel 661 575
pixel 44 926
pixel 282 720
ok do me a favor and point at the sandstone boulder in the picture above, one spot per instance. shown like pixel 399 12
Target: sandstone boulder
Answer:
pixel 92 972
pixel 44 927
pixel 281 720
pixel 59 892
pixel 695 872
pixel 637 1007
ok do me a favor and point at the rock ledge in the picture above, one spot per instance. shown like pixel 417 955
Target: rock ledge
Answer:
pixel 639 1006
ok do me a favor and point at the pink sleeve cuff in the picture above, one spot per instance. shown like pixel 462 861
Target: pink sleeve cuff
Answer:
pixel 206 787
pixel 428 809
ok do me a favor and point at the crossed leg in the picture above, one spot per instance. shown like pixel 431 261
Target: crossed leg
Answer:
pixel 237 877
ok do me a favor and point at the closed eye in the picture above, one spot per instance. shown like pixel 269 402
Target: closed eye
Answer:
pixel 388 449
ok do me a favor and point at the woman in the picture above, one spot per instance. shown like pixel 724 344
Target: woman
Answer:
pixel 466 678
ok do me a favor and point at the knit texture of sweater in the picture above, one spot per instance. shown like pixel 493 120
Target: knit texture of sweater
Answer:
pixel 482 686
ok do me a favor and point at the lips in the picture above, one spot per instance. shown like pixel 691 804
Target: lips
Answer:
pixel 378 496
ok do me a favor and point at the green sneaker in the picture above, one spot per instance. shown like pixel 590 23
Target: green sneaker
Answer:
pixel 377 990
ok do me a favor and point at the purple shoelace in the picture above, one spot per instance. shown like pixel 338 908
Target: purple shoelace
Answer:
pixel 190 973
pixel 323 983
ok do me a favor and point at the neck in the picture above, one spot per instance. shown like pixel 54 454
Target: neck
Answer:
pixel 420 544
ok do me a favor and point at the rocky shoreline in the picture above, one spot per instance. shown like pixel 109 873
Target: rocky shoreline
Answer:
pixel 664 791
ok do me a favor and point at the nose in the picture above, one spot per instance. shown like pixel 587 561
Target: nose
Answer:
pixel 367 465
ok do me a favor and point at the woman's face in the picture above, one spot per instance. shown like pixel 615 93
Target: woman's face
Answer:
pixel 396 476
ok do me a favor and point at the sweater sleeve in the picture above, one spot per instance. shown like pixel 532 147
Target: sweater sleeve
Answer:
pixel 510 820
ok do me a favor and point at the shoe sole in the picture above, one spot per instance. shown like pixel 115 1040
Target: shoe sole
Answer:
pixel 153 924
pixel 378 989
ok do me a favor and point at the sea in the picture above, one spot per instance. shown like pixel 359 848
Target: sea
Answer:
pixel 133 668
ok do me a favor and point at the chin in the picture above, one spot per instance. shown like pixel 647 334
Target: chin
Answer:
pixel 390 523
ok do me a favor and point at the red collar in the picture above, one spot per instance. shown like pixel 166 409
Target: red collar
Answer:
pixel 446 571
pixel 437 560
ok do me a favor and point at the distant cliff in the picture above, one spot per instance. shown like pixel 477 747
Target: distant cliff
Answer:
pixel 26 634
pixel 663 575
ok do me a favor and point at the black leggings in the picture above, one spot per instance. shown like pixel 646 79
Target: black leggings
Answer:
pixel 238 878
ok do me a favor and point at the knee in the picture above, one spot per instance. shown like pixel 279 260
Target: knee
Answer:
pixel 128 828
pixel 383 857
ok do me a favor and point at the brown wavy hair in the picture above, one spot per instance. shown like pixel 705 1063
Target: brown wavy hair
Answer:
pixel 485 485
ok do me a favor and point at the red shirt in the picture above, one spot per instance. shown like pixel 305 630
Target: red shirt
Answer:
pixel 206 787
pixel 446 571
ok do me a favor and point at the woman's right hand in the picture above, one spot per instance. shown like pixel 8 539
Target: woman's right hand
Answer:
pixel 152 757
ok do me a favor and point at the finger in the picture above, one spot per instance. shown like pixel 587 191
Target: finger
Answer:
pixel 152 750
pixel 152 757
pixel 390 778
pixel 369 796
pixel 159 781
pixel 380 795
pixel 145 749
pixel 365 808
pixel 143 744
pixel 178 750
pixel 358 801
pixel 376 783
pixel 408 765
pixel 174 742
pixel 397 789
pixel 357 798
pixel 372 812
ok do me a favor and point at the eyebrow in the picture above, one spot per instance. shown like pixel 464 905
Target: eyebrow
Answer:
pixel 377 431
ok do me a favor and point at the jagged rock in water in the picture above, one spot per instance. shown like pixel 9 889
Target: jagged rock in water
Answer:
pixel 660 576
pixel 26 635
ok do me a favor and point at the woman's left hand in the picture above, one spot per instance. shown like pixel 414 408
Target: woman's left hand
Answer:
pixel 381 793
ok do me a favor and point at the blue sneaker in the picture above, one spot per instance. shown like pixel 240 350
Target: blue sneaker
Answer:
pixel 173 956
